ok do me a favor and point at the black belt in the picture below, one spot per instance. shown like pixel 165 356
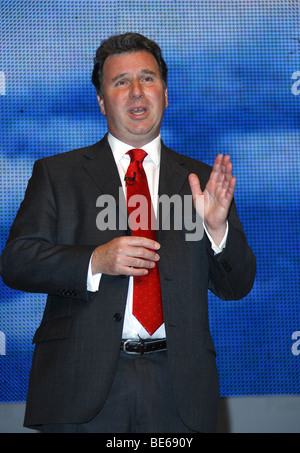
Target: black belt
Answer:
pixel 143 346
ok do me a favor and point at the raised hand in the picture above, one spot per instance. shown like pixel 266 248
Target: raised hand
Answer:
pixel 218 195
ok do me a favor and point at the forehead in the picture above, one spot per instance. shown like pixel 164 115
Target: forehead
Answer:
pixel 129 63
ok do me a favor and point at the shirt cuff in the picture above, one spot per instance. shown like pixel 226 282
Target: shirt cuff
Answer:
pixel 217 249
pixel 92 281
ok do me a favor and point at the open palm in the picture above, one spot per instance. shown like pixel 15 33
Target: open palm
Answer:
pixel 218 195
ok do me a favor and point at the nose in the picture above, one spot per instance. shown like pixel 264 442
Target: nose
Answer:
pixel 136 90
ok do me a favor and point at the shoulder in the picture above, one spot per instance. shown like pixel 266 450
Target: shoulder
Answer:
pixel 72 157
pixel 191 164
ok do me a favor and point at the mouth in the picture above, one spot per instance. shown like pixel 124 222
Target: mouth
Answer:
pixel 138 111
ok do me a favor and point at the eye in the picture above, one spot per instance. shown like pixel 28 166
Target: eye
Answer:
pixel 148 79
pixel 121 83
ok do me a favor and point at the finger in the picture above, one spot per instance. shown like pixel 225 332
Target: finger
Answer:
pixel 227 175
pixel 136 266
pixel 217 168
pixel 220 167
pixel 195 185
pixel 226 168
pixel 231 187
pixel 139 263
pixel 226 160
pixel 131 265
pixel 229 190
pixel 133 271
pixel 142 253
pixel 140 241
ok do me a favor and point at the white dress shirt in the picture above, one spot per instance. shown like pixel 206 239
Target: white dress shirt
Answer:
pixel 132 328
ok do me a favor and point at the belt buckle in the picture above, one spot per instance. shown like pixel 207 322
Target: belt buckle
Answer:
pixel 131 341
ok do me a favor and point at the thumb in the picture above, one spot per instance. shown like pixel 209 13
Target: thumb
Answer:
pixel 197 194
pixel 195 185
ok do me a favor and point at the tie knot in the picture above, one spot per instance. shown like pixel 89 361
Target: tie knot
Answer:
pixel 137 155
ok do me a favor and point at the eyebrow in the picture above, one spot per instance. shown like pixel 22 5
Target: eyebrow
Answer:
pixel 143 71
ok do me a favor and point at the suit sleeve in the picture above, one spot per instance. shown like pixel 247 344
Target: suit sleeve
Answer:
pixel 232 272
pixel 33 260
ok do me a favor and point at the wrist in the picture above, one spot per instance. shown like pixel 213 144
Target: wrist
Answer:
pixel 217 234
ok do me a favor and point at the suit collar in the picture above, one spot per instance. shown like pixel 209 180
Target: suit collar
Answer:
pixel 173 176
pixel 120 148
pixel 99 163
pixel 173 173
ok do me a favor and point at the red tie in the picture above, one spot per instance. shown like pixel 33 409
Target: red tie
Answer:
pixel 147 306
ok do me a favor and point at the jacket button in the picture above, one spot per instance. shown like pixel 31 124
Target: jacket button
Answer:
pixel 117 317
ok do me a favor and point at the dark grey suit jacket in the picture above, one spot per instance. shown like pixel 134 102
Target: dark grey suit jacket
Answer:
pixel 78 341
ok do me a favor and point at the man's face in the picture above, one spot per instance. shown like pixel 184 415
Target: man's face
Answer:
pixel 134 98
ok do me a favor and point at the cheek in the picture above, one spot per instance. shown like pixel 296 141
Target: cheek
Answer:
pixel 114 116
pixel 115 106
pixel 159 100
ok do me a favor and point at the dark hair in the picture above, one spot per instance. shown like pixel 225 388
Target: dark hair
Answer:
pixel 125 43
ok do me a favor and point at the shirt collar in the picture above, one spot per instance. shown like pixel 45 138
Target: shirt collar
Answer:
pixel 119 149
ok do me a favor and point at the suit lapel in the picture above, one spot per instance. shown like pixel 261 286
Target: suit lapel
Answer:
pixel 172 177
pixel 100 164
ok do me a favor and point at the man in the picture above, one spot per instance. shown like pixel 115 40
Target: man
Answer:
pixel 97 367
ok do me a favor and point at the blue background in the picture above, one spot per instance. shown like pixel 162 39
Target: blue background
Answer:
pixel 230 91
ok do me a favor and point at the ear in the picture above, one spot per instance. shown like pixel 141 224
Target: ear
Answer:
pixel 101 104
pixel 166 97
